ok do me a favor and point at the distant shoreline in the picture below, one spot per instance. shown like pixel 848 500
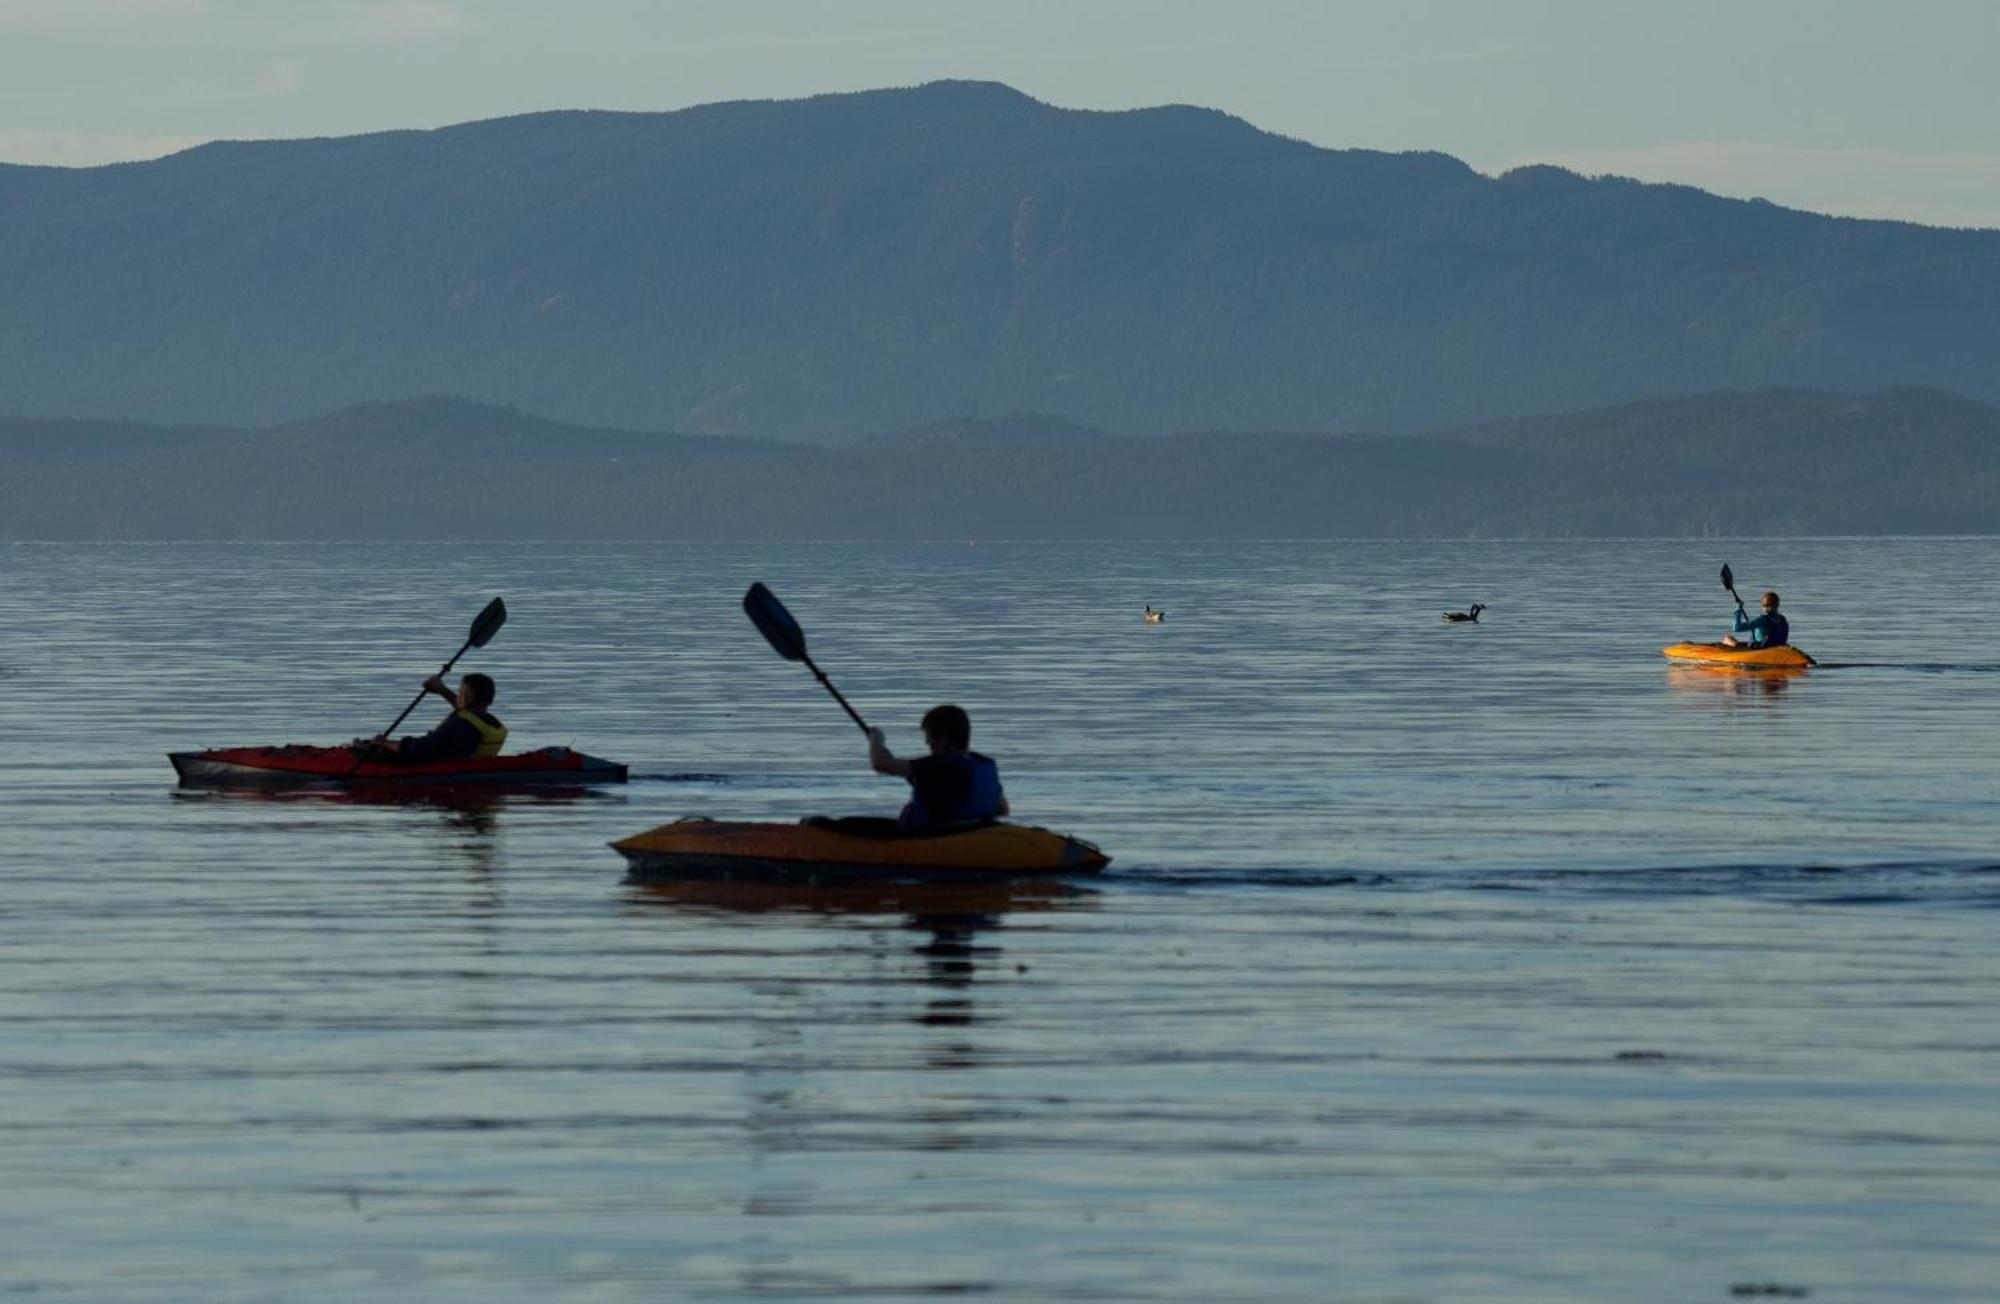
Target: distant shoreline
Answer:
pixel 1728 464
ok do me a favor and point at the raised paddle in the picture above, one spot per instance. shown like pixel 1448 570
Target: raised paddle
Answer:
pixel 1729 582
pixel 783 633
pixel 484 626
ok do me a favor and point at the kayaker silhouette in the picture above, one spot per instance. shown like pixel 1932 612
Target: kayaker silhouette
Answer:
pixel 952 785
pixel 1767 630
pixel 470 730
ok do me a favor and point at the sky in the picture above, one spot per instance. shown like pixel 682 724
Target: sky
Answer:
pixel 1856 107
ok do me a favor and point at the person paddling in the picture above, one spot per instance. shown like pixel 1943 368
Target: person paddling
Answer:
pixel 952 785
pixel 470 730
pixel 1768 630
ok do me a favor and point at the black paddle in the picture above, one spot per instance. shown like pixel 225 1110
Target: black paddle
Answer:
pixel 484 627
pixel 783 633
pixel 1729 582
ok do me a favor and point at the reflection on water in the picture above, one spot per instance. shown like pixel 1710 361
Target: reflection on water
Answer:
pixel 957 927
pixel 979 901
pixel 467 819
pixel 955 932
pixel 1725 681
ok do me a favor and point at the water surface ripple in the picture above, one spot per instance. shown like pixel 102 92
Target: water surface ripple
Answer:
pixel 1496 962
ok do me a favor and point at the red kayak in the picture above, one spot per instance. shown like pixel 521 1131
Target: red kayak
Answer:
pixel 298 763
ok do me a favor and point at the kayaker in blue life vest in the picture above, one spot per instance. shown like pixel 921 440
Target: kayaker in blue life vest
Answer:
pixel 952 785
pixel 470 730
pixel 1767 630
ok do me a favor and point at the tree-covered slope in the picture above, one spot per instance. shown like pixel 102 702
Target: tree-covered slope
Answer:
pixel 869 261
pixel 1769 462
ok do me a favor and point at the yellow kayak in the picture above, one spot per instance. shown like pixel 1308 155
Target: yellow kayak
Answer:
pixel 852 848
pixel 1782 657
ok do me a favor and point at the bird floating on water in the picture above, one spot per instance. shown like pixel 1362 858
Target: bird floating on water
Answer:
pixel 1154 617
pixel 1471 615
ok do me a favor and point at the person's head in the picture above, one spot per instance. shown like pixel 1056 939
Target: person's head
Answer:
pixel 1769 601
pixel 476 691
pixel 947 729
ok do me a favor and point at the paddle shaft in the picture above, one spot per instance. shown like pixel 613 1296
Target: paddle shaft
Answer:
pixel 827 684
pixel 362 758
pixel 425 692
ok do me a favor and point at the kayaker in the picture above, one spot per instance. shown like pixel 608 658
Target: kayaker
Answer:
pixel 470 730
pixel 952 785
pixel 1767 630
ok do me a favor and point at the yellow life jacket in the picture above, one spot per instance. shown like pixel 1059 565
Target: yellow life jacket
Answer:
pixel 492 736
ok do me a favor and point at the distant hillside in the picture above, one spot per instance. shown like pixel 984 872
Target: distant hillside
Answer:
pixel 1770 462
pixel 873 261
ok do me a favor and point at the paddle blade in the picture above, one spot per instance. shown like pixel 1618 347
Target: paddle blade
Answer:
pixel 488 623
pixel 1728 580
pixel 774 622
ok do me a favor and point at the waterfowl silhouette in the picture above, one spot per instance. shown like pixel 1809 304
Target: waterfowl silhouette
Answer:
pixel 1471 615
pixel 1154 617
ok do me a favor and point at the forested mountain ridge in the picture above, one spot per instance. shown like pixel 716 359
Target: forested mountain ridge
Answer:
pixel 869 261
pixel 1902 461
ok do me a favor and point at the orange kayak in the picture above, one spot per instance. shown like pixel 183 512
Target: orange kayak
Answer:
pixel 853 849
pixel 1782 657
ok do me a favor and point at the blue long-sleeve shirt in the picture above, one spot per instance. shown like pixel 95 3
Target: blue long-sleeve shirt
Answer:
pixel 1767 630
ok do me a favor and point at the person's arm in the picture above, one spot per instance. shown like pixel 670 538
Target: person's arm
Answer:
pixel 1004 810
pixel 1743 621
pixel 882 760
pixel 383 744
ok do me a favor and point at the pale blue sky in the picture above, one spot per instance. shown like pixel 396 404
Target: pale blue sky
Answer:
pixel 1873 109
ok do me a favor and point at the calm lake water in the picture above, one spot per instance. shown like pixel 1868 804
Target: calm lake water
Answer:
pixel 1436 963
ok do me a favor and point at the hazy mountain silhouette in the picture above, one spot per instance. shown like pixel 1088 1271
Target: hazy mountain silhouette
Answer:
pixel 1770 462
pixel 871 261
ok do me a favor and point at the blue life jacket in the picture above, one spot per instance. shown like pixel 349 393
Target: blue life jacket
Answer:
pixel 978 799
pixel 1768 630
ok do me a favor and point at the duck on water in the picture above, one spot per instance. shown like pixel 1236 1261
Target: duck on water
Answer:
pixel 1471 614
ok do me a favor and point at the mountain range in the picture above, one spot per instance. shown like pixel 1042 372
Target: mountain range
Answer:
pixel 884 260
pixel 1902 461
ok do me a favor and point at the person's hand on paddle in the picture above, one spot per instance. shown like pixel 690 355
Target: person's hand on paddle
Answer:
pixel 436 684
pixel 379 745
pixel 881 759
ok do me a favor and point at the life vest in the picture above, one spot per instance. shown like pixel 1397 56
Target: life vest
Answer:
pixel 980 800
pixel 492 734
